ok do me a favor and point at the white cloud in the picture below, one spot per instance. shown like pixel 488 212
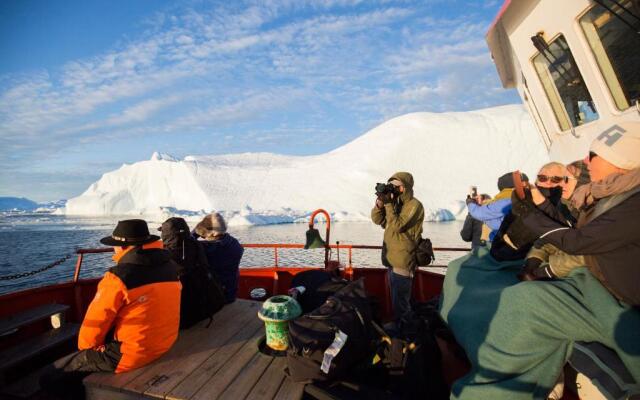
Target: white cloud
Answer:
pixel 253 61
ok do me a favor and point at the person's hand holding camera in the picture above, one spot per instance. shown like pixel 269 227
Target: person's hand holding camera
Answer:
pixel 470 200
pixel 385 197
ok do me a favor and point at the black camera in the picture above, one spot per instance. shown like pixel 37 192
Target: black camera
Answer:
pixel 386 188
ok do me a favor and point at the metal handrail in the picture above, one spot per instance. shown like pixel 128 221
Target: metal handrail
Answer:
pixel 274 246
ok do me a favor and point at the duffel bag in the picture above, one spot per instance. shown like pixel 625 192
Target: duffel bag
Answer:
pixel 318 286
pixel 325 343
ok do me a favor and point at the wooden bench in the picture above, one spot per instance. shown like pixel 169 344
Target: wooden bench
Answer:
pixel 11 323
pixel 31 347
pixel 219 362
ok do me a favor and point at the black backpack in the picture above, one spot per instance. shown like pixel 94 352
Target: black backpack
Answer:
pixel 412 362
pixel 327 342
pixel 319 285
pixel 202 295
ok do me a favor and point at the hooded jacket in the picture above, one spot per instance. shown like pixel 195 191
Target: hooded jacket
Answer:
pixel 472 231
pixel 184 249
pixel 402 230
pixel 139 301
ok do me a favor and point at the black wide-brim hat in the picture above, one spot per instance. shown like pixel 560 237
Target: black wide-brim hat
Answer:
pixel 130 232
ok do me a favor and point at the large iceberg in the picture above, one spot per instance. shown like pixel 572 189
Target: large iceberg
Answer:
pixel 445 152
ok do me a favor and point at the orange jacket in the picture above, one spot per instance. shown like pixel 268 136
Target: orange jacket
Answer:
pixel 139 299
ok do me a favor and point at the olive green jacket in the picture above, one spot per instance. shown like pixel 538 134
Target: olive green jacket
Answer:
pixel 403 231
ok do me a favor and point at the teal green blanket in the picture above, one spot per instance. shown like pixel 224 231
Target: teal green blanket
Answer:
pixel 518 335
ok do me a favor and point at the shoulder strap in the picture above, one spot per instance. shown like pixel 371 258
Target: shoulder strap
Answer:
pixel 607 204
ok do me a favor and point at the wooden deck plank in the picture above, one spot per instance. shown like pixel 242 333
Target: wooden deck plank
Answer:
pixel 290 390
pixel 105 393
pixel 110 380
pixel 269 383
pixel 189 386
pixel 232 367
pixel 193 347
pixel 247 378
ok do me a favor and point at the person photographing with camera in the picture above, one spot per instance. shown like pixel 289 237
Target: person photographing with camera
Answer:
pixel 401 216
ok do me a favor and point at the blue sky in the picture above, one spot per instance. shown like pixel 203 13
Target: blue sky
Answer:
pixel 88 85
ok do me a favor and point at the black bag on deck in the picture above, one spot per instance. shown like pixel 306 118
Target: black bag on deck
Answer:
pixel 424 252
pixel 319 285
pixel 413 362
pixel 326 343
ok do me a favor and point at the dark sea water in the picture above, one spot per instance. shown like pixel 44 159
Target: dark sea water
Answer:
pixel 31 241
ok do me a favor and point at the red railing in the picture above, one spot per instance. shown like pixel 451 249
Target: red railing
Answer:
pixel 348 270
pixel 275 247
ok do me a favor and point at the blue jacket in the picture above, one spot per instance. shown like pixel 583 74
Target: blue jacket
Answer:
pixel 491 214
pixel 224 257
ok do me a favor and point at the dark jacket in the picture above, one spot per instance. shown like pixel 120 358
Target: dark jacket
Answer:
pixel 402 223
pixel 472 231
pixel 202 294
pixel 224 257
pixel 139 301
pixel 514 238
pixel 610 242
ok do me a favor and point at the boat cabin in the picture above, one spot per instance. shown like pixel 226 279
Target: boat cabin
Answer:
pixel 575 64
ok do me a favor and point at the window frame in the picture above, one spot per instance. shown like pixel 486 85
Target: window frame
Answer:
pixel 565 114
pixel 594 59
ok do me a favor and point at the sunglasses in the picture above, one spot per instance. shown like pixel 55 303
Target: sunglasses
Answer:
pixel 553 179
pixel 591 155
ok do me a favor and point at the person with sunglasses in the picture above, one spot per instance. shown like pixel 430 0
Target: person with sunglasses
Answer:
pixel 607 233
pixel 514 240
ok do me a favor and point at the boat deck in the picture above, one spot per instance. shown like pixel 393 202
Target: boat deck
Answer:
pixel 218 362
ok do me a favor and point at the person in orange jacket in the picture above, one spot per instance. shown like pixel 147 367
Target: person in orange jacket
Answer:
pixel 133 318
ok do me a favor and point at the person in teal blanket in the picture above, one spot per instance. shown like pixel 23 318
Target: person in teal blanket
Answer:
pixel 519 335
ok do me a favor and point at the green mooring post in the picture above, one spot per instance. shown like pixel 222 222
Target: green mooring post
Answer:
pixel 276 313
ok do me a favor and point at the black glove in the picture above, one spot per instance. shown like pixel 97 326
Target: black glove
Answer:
pixel 385 197
pixel 532 263
pixel 522 207
pixel 470 200
pixel 532 271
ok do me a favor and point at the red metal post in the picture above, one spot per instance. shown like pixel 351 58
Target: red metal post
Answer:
pixel 275 255
pixel 79 311
pixel 275 283
pixel 76 274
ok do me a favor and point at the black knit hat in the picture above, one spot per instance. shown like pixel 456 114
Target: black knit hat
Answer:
pixel 174 226
pixel 506 180
pixel 130 232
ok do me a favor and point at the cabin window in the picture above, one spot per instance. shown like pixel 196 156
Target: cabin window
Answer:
pixel 562 81
pixel 613 34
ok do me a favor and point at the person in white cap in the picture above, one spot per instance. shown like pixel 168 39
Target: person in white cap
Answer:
pixel 223 251
pixel 607 233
